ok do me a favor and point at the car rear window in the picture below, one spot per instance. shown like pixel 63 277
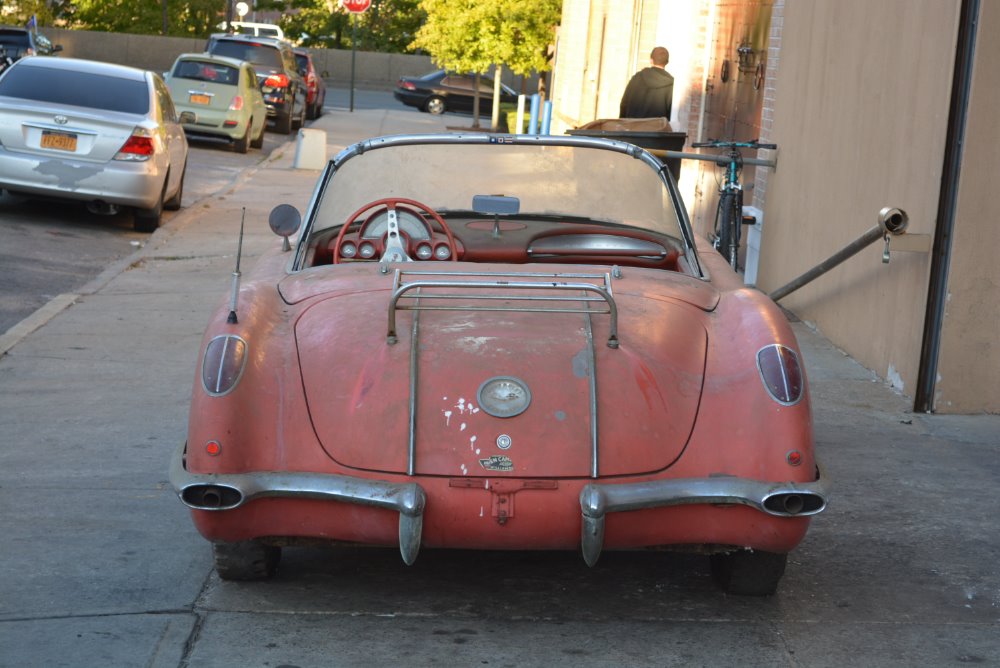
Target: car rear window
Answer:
pixel 14 42
pixel 80 89
pixel 258 54
pixel 202 71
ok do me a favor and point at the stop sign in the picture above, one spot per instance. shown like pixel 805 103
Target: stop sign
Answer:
pixel 356 6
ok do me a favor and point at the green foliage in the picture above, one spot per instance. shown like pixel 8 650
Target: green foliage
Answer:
pixel 388 26
pixel 472 35
pixel 185 18
pixel 19 12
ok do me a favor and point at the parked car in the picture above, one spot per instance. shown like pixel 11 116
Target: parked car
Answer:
pixel 223 95
pixel 283 87
pixel 441 91
pixel 92 132
pixel 316 97
pixel 20 42
pixel 556 367
pixel 256 29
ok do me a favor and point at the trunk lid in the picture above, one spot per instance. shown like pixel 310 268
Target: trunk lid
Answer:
pixel 646 392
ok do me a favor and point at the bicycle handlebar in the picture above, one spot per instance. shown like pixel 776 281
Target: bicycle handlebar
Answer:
pixel 714 143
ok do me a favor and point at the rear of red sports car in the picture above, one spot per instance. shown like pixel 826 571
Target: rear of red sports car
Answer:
pixel 562 372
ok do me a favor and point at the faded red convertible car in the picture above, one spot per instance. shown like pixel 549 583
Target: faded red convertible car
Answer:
pixel 504 343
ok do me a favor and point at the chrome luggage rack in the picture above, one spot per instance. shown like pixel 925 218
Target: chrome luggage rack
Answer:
pixel 414 294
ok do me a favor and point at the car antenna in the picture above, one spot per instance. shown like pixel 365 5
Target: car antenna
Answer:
pixel 236 274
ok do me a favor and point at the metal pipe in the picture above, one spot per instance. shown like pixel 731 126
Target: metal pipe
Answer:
pixel 709 157
pixel 891 221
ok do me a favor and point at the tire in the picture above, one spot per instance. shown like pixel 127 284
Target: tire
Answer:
pixel 748 572
pixel 283 124
pixel 728 230
pixel 174 203
pixel 147 220
pixel 311 113
pixel 248 560
pixel 243 143
pixel 259 141
pixel 434 105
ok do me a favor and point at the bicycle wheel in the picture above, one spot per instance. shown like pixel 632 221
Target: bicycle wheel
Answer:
pixel 729 231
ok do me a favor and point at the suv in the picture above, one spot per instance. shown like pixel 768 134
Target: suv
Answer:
pixel 283 87
pixel 19 42
pixel 315 85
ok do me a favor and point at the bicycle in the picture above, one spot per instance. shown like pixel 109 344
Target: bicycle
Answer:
pixel 729 214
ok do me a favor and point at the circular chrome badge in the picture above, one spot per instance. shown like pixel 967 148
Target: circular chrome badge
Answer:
pixel 503 442
pixel 504 396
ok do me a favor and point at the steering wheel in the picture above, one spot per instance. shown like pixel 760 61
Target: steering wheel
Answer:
pixel 396 243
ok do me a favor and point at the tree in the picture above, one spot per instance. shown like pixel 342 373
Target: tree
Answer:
pixel 19 12
pixel 472 35
pixel 187 18
pixel 388 26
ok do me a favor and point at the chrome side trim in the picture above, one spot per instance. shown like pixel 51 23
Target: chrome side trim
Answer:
pixel 597 500
pixel 408 499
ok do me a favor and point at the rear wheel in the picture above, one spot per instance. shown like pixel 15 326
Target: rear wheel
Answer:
pixel 259 141
pixel 243 143
pixel 147 220
pixel 247 560
pixel 435 106
pixel 729 217
pixel 748 572
pixel 283 124
pixel 174 203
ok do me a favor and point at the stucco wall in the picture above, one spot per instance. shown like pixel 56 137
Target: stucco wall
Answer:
pixel 969 362
pixel 860 113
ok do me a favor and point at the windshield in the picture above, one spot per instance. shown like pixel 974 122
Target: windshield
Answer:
pixel 199 70
pixel 258 54
pixel 81 89
pixel 567 182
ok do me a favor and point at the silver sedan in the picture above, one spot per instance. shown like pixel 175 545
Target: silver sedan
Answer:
pixel 102 134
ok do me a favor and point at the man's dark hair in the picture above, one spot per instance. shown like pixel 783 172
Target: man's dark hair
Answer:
pixel 660 56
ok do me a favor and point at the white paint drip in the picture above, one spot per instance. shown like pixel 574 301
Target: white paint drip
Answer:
pixel 472 444
pixel 481 511
pixel 465 471
pixel 462 428
pixel 447 418
pixel 477 451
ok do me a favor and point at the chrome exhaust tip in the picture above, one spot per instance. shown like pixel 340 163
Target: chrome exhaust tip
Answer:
pixel 794 503
pixel 102 208
pixel 211 497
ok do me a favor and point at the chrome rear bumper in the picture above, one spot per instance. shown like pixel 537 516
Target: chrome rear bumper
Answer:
pixel 215 492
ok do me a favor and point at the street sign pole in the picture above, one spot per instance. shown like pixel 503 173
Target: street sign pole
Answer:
pixel 354 50
pixel 355 7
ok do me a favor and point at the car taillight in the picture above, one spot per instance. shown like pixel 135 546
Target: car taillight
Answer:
pixel 138 147
pixel 311 81
pixel 277 81
pixel 781 373
pixel 222 366
pixel 236 104
pixel 407 85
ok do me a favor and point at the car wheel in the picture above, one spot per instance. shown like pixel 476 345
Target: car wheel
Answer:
pixel 248 560
pixel 259 141
pixel 435 106
pixel 283 124
pixel 174 203
pixel 147 220
pixel 243 143
pixel 748 572
pixel 318 108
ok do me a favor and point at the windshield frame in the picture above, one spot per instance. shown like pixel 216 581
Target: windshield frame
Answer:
pixel 661 171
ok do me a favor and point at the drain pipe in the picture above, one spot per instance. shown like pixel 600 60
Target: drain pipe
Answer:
pixel 891 222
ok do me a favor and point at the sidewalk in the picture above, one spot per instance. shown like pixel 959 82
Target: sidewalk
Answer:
pixel 101 565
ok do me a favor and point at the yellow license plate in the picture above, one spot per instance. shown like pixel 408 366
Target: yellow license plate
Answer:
pixel 58 140
pixel 200 99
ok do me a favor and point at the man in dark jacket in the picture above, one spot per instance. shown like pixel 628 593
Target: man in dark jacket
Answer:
pixel 650 93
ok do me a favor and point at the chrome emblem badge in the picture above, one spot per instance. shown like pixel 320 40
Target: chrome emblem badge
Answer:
pixel 61 120
pixel 504 396
pixel 503 441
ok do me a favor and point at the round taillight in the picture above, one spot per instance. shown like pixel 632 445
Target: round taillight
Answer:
pixel 213 448
pixel 348 249
pixel 442 252
pixel 781 373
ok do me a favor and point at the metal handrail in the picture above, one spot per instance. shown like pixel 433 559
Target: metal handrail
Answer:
pixel 400 290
